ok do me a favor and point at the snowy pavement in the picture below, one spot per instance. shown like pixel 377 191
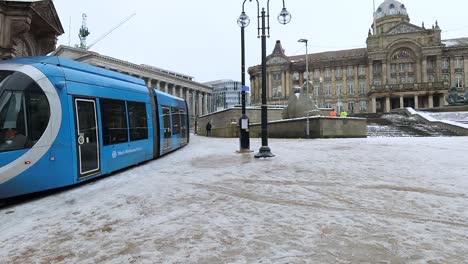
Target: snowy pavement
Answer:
pixel 375 200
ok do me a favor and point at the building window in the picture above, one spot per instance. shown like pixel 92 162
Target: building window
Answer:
pixel 430 78
pixel 458 63
pixel 317 74
pixel 338 73
pixel 393 81
pixel 445 77
pixel 445 63
pixel 328 105
pixel 327 73
pixel 377 68
pixel 316 90
pixel 350 71
pixel 362 70
pixel 377 82
pixel 410 67
pixel 410 79
pixel 363 106
pixel 277 81
pixel 350 88
pixel 328 89
pixel 402 79
pixel 393 68
pixel 351 107
pixel 458 81
pixel 362 87
pixel 338 88
pixel 402 67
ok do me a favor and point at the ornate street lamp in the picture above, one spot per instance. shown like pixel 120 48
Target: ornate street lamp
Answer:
pixel 244 136
pixel 284 17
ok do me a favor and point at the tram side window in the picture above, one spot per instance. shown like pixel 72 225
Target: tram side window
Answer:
pixel 166 121
pixel 175 120
pixel 183 118
pixel 137 120
pixel 114 121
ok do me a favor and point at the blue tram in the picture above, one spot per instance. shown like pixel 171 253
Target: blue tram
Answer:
pixel 63 122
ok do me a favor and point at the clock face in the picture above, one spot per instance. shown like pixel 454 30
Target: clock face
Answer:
pixel 295 76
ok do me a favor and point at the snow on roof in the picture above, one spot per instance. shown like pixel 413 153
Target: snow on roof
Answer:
pixel 455 42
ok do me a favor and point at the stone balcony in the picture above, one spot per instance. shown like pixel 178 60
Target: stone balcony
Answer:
pixel 408 87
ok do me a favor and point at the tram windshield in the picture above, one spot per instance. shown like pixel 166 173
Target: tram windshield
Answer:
pixel 24 111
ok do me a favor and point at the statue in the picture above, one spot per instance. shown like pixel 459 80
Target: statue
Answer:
pixel 454 99
pixel 300 105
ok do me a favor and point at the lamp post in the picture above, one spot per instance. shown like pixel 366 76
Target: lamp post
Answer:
pixel 244 136
pixel 284 17
pixel 307 64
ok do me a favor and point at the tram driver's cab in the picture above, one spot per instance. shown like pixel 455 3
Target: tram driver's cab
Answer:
pixel 24 111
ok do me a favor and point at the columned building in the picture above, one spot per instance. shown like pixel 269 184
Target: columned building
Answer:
pixel 28 28
pixel 197 95
pixel 404 65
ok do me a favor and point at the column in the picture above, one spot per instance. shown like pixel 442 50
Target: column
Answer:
pixel 283 84
pixel 370 74
pixel 431 101
pixel 416 102
pixel 402 102
pixel 288 85
pixel 181 92
pixel 166 87
pixel 205 104
pixel 438 72
pixel 387 104
pixel 373 105
pixel 187 95
pixel 465 62
pixel 452 72
pixel 148 83
pixel 269 93
pixel 194 102
pixel 200 104
pixel 384 72
pixel 424 69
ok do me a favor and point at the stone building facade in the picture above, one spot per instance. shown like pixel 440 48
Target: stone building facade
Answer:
pixel 404 65
pixel 28 28
pixel 197 95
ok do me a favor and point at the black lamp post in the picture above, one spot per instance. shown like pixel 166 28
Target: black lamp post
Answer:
pixel 244 136
pixel 284 17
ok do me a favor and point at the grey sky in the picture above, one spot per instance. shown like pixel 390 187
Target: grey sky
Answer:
pixel 202 39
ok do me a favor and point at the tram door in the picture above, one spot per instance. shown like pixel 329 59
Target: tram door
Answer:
pixel 167 127
pixel 87 140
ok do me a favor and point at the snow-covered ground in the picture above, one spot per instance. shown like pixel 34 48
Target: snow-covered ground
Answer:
pixel 375 200
pixel 450 116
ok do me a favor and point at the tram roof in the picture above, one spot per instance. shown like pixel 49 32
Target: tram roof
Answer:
pixel 74 65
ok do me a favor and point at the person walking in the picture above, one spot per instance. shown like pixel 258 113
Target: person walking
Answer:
pixel 333 113
pixel 208 129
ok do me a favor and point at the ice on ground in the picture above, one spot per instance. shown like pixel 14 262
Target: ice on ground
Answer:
pixel 375 200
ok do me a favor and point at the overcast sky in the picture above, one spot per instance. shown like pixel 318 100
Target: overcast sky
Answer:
pixel 202 38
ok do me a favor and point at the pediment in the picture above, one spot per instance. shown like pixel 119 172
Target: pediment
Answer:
pixel 277 60
pixel 404 28
pixel 46 10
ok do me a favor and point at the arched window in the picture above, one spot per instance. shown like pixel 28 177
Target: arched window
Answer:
pixel 392 10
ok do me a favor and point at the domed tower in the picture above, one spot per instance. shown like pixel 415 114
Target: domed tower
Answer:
pixel 389 14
